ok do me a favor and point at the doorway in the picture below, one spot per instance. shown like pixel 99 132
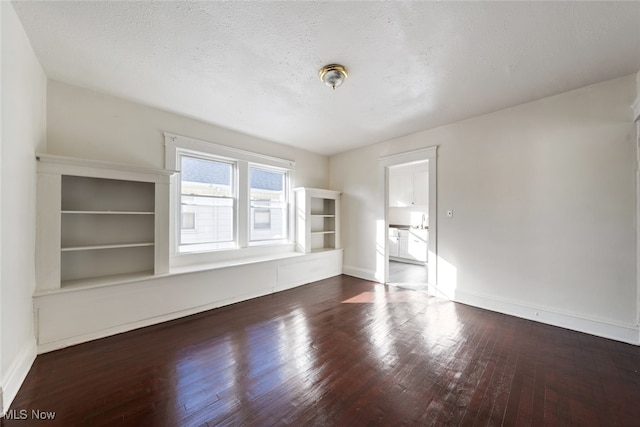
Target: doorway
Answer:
pixel 407 239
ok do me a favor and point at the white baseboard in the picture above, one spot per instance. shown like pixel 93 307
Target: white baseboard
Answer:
pixel 620 332
pixel 16 374
pixel 360 273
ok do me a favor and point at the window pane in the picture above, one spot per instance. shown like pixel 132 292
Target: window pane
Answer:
pixel 206 177
pixel 269 207
pixel 207 204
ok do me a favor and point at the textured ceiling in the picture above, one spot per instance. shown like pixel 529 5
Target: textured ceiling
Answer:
pixel 252 66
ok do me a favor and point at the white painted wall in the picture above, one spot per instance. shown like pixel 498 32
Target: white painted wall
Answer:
pixel 24 86
pixel 87 124
pixel 544 208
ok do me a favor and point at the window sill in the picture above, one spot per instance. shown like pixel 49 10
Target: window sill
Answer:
pixel 192 268
pixel 224 257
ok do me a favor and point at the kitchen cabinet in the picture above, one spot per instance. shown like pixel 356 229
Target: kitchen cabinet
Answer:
pixel 408 244
pixel 417 244
pixel 421 188
pixel 408 189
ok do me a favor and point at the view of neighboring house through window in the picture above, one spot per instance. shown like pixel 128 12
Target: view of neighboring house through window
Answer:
pixel 230 203
pixel 268 204
pixel 207 193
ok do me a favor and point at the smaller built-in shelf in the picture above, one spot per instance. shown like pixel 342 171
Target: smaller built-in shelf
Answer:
pixel 98 247
pixel 318 221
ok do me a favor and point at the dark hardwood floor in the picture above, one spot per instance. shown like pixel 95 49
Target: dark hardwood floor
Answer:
pixel 339 352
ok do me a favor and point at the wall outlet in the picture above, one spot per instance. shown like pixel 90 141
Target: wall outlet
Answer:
pixel 450 213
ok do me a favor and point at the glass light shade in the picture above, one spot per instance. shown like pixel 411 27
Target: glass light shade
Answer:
pixel 333 75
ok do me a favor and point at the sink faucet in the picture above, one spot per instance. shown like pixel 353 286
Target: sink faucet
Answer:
pixel 424 219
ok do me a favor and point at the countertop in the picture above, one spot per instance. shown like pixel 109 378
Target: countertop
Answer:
pixel 407 227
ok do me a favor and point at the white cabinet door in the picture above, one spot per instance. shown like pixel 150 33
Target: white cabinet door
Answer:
pixel 393 190
pixel 421 189
pixel 417 245
pixel 403 244
pixel 405 190
pixel 393 246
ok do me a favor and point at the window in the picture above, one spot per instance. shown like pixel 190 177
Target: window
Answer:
pixel 269 204
pixel 207 198
pixel 227 198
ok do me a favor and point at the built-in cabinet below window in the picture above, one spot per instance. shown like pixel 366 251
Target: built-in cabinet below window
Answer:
pixel 99 223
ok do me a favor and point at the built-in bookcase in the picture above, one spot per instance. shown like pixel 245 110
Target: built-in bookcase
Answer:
pixel 317 219
pixel 99 223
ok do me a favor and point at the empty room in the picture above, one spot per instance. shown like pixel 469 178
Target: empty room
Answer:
pixel 319 213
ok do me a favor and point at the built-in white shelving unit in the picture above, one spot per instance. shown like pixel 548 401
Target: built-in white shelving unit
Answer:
pixel 317 219
pixel 99 222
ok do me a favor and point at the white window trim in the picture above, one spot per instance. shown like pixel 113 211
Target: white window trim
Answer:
pixel 176 144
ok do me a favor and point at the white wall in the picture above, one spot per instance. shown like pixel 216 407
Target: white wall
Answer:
pixel 87 124
pixel 23 132
pixel 544 208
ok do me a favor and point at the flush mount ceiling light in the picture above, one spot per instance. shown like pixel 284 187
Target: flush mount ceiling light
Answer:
pixel 333 75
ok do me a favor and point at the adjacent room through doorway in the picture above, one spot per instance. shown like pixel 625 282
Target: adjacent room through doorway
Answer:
pixel 409 199
pixel 408 231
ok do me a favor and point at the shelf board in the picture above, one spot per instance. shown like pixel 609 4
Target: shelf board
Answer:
pixel 111 246
pixel 104 280
pixel 107 212
pixel 324 215
pixel 323 249
pixel 323 232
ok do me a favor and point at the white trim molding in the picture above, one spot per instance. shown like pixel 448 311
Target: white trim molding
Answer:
pixel 602 328
pixel 16 374
pixel 173 142
pixel 360 273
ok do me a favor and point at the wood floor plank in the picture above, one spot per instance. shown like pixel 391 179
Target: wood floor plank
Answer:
pixel 339 352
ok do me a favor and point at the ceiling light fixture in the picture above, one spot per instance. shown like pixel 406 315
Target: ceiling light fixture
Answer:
pixel 333 75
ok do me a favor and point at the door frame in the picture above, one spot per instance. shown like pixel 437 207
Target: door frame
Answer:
pixel 384 163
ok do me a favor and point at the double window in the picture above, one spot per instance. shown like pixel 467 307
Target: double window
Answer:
pixel 227 198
